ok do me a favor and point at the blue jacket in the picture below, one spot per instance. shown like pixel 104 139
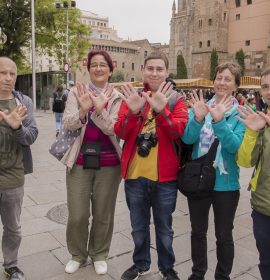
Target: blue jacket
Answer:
pixel 230 134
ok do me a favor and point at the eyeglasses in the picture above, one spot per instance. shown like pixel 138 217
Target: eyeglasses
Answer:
pixel 265 86
pixel 101 65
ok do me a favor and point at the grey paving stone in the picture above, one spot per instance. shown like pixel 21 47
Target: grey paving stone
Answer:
pixel 40 266
pixel 60 235
pixel 41 210
pixel 45 198
pixel 37 243
pixel 62 255
pixel 39 225
pixel 120 245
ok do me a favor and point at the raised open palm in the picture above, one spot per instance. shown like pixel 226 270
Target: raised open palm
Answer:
pixel 100 100
pixel 159 100
pixel 199 107
pixel 83 97
pixel 254 121
pixel 134 101
pixel 218 111
pixel 14 119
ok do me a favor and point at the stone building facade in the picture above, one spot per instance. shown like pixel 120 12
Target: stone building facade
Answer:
pixel 198 26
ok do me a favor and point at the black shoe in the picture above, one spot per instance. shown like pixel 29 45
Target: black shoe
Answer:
pixel 14 273
pixel 194 277
pixel 170 274
pixel 134 273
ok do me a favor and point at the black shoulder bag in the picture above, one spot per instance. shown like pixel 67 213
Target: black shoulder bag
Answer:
pixel 196 178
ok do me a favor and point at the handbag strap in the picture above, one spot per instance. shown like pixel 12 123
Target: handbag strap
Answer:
pixel 211 155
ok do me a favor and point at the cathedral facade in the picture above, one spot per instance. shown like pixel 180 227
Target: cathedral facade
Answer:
pixel 198 26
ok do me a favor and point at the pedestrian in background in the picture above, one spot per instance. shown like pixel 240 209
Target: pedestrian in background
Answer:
pixel 255 151
pixel 216 119
pixel 59 101
pixel 18 130
pixel 93 173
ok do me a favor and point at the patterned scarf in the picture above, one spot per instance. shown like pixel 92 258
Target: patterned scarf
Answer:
pixel 207 136
pixel 92 87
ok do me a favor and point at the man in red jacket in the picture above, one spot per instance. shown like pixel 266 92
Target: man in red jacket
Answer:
pixel 149 123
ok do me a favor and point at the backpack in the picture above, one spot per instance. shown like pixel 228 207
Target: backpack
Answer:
pixel 58 103
pixel 184 151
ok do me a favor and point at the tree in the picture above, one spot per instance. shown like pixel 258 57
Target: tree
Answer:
pixel 181 67
pixel 15 25
pixel 50 31
pixel 214 63
pixel 117 76
pixel 240 58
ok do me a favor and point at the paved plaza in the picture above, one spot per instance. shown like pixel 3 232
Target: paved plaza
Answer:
pixel 43 253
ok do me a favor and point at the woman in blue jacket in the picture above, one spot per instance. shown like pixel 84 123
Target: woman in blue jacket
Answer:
pixel 216 119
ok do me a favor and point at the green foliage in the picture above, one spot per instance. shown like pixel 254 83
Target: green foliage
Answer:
pixel 117 76
pixel 240 58
pixel 15 28
pixel 181 68
pixel 173 76
pixel 50 32
pixel 214 63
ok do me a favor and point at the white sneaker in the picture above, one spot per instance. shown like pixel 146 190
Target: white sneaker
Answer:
pixel 100 267
pixel 72 266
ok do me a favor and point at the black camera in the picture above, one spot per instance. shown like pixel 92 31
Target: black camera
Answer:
pixel 145 142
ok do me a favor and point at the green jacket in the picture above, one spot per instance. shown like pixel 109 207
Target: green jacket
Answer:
pixel 255 151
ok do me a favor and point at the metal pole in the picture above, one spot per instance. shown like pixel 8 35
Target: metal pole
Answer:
pixel 33 54
pixel 67 54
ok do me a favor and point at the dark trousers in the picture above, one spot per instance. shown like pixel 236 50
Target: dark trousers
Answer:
pixel 141 195
pixel 261 229
pixel 224 207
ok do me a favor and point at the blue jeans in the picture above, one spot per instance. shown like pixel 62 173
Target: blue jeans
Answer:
pixel 141 195
pixel 261 229
pixel 58 120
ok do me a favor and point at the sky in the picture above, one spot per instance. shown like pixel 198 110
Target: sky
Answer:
pixel 134 19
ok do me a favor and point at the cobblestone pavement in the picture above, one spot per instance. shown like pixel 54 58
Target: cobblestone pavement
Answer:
pixel 43 253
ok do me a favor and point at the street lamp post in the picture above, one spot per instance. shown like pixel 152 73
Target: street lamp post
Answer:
pixel 65 5
pixel 33 54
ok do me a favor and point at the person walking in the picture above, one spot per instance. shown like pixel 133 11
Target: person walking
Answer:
pixel 255 151
pixel 216 119
pixel 93 165
pixel 18 130
pixel 59 101
pixel 150 164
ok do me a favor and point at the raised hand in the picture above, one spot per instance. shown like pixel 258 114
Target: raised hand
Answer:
pixel 218 111
pixel 266 117
pixel 83 98
pixel 254 121
pixel 100 100
pixel 199 107
pixel 159 100
pixel 134 101
pixel 14 119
